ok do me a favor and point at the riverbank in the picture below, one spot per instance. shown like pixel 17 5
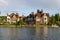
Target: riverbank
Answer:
pixel 25 25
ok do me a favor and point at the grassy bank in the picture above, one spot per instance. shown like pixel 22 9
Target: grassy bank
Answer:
pixel 35 25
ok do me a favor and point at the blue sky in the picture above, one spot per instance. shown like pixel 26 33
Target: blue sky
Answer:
pixel 27 6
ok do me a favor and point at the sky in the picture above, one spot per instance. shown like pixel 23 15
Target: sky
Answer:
pixel 25 7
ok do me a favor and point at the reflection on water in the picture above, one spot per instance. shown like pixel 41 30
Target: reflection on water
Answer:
pixel 30 33
pixel 39 33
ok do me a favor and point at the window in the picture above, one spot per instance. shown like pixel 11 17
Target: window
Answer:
pixel 45 18
pixel 8 19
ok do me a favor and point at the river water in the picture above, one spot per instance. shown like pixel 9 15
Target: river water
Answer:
pixel 30 33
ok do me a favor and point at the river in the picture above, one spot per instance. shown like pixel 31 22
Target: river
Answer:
pixel 30 33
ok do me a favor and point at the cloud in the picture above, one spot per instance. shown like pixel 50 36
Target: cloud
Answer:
pixel 43 3
pixel 3 2
pixel 30 4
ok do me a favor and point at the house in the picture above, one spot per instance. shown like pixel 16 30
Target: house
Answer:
pixel 46 18
pixel 30 19
pixel 42 18
pixel 12 18
pixel 39 17
pixel 8 18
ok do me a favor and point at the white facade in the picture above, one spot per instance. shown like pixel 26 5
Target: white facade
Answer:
pixel 45 19
pixel 8 19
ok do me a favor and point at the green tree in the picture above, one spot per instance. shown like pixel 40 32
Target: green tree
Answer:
pixel 52 21
pixel 57 16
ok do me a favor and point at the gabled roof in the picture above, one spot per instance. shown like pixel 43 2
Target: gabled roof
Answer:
pixel 12 14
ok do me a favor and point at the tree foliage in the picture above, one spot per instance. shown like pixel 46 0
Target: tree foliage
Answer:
pixel 55 19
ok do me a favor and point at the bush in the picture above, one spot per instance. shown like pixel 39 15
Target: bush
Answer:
pixel 58 23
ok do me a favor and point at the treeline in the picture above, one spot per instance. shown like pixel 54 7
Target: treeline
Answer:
pixel 55 19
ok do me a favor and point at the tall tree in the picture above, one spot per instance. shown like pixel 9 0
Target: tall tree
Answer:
pixel 57 16
pixel 52 21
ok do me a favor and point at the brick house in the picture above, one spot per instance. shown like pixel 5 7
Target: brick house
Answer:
pixel 42 18
pixel 12 18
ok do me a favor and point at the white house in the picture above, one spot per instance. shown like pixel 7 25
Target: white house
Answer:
pixel 45 17
pixel 8 18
